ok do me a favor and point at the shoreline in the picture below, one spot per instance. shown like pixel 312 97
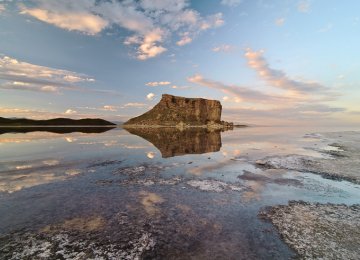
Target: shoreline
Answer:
pixel 320 230
pixel 316 230
pixel 342 163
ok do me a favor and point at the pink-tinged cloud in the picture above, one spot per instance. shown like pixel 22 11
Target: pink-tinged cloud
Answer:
pixel 149 32
pixel 278 79
pixel 19 75
pixel 243 93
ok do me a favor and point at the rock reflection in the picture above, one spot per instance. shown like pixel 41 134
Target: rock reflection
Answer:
pixel 175 142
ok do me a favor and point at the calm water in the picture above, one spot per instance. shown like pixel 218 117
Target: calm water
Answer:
pixel 196 194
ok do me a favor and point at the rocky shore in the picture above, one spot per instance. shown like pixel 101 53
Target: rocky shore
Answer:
pixel 314 230
pixel 318 231
pixel 341 159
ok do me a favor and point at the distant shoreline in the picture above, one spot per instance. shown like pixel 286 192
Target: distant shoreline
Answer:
pixel 55 122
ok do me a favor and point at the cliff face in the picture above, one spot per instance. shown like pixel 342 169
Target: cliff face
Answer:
pixel 173 110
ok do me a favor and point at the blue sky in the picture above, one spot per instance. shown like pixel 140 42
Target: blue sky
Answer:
pixel 269 62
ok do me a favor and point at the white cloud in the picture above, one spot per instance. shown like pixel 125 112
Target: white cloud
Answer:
pixel 231 2
pixel 75 20
pixel 43 114
pixel 150 96
pixel 295 100
pixel 223 48
pixel 109 108
pixel 19 75
pixel 70 112
pixel 179 87
pixel 326 28
pixel 158 83
pixel 303 6
pixel 184 40
pixel 280 21
pixel 151 23
pixel 279 79
pixel 135 105
pixel 240 92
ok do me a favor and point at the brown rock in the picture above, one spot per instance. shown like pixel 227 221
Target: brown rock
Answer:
pixel 181 112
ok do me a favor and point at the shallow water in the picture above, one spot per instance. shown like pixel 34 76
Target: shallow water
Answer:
pixel 197 195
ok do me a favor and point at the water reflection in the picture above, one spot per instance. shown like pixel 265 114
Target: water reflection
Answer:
pixel 175 142
pixel 56 130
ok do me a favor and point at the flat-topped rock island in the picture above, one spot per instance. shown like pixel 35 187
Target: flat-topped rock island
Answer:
pixel 181 112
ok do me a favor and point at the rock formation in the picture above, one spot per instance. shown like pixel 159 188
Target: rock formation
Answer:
pixel 181 112
pixel 172 141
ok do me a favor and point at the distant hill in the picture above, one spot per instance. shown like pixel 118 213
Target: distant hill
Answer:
pixel 55 129
pixel 54 122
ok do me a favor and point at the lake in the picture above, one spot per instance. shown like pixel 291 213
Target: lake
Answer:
pixel 154 193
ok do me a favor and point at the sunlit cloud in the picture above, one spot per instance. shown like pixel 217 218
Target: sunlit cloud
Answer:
pixel 70 112
pixel 223 48
pixel 231 3
pixel 139 105
pixel 326 28
pixel 151 23
pixel 280 21
pixel 110 108
pixel 70 139
pixel 158 83
pixel 279 79
pixel 20 75
pixel 72 20
pixel 303 6
pixel 240 92
pixel 184 40
pixel 43 114
pixel 296 115
pixel 180 87
pixel 295 100
pixel 150 96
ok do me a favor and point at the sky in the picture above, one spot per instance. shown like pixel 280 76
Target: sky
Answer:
pixel 278 62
